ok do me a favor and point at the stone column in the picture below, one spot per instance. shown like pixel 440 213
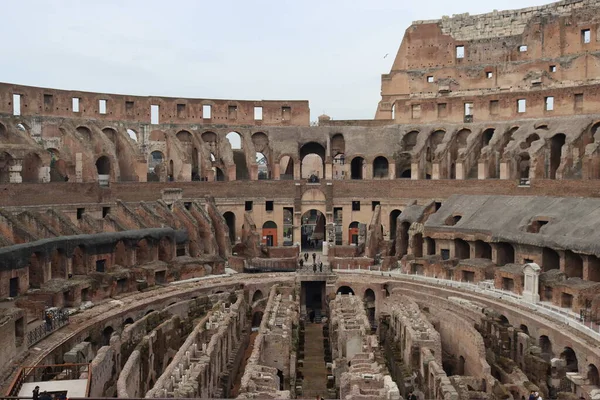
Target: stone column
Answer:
pixel 15 167
pixel 276 171
pixel 504 170
pixel 392 171
pixel 78 167
pixel 328 170
pixel 435 170
pixel 531 274
pixel 460 170
pixel 481 170
pixel 414 171
pixel 297 169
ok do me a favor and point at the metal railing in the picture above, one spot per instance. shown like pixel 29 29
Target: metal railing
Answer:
pixel 53 320
pixel 549 310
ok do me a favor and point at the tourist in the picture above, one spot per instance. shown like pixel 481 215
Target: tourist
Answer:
pixel 411 396
pixel 532 395
pixel 320 267
pixel 36 393
pixel 315 268
pixel 537 396
pixel 305 257
pixel 45 396
pixel 314 256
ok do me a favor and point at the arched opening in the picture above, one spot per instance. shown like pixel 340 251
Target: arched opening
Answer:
pixel 592 375
pixel 417 245
pixel 269 234
pixel 171 171
pixel 132 134
pixel 430 246
pixel 230 221
pixel 462 250
pixel 369 301
pixel 111 134
pixel 393 223
pixel 256 319
pixel 550 259
pixel 219 175
pixel 345 290
pixel 503 321
pixel 487 136
pixel 165 249
pixel 85 133
pixel 313 229
pixel 286 168
pixel 556 144
pixel 184 137
pixel 312 160
pixel 58 264
pixel 235 140
pixel 280 378
pixel 530 139
pixel 239 156
pixel 257 296
pixel 573 265
pixel 353 233
pixel 142 252
pixel 524 165
pixel 460 370
pixel 357 167
pixel 58 167
pixel 155 160
pixel 103 166
pixel 195 165
pixel 483 250
pixel 288 227
pixel 546 347
pixel 106 335
pixel 78 261
pixel 128 321
pixel 505 253
pixel 263 167
pixel 409 141
pixel 3 131
pixel 6 161
pixel 406 174
pixel 380 167
pixel 31 168
pixel 120 254
pixel 524 328
pixel 570 358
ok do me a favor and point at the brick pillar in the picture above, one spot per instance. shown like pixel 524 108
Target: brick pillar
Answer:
pixel 276 171
pixel 460 170
pixel 392 171
pixel 15 167
pixel 414 171
pixel 78 167
pixel 435 172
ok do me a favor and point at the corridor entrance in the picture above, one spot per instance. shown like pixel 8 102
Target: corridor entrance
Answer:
pixel 312 299
pixel 313 230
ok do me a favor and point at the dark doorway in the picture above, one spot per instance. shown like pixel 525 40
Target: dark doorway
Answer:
pixel 13 290
pixel 312 296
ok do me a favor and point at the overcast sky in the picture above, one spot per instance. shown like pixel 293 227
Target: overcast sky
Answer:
pixel 330 52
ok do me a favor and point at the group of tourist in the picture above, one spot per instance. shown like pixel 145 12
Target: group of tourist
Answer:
pixel 304 259
pixel 534 395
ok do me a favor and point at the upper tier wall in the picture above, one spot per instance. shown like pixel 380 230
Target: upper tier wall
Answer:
pixel 35 101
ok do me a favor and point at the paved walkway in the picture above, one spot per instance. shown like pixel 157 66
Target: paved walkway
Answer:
pixel 314 370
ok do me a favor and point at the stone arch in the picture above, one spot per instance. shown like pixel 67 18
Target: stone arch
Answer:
pixel 546 347
pixel 403 239
pixel 264 167
pixel 556 144
pixel 184 137
pixel 58 166
pixel 461 138
pixel 30 172
pixel 357 168
pixel 338 145
pixel 483 250
pixel 111 134
pixel 209 137
pixel 530 139
pixel 257 317
pixel 524 165
pixel 568 354
pixel 550 259
pixel 369 301
pixel 133 135
pixel 258 295
pixel 261 142
pixel 269 233
pixel 106 335
pixel 524 328
pixel 286 167
pixel 573 265
pixel 85 133
pixel 158 136
pixel 409 141
pixel 462 251
pixel 381 167
pixel 505 253
pixel 417 245
pixel 313 195
pixel 312 160
pixel 155 159
pixel 128 321
pixel 592 375
pixel 353 232
pixel 230 221
pixel 486 136
pixel 312 229
pixel 393 223
pixel 430 246
pixel 344 290
pixel 235 140
pixel 103 165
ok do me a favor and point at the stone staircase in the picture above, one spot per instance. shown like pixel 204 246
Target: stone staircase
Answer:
pixel 314 368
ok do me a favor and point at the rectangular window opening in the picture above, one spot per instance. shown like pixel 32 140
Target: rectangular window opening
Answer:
pixel 468 109
pixel 442 109
pixel 586 36
pixel 258 113
pixel 374 204
pixel 549 103
pixel 430 79
pixel 48 102
pixel 489 74
pixel 181 111
pixel 416 111
pixel 521 105
pixel 80 212
pixel 578 99
pixel 232 112
pixel 75 104
pixel 206 111
pixel 269 205
pixel 522 48
pixel 460 51
pixel 100 265
pixel 356 205
pixel 154 114
pixel 105 211
pixel 552 68
pixel 129 107
pixel 286 113
pixel 494 105
pixel 16 104
pixel 248 206
pixel 187 205
pixel 102 106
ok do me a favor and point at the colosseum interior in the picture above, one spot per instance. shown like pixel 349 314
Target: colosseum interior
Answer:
pixel 155 247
